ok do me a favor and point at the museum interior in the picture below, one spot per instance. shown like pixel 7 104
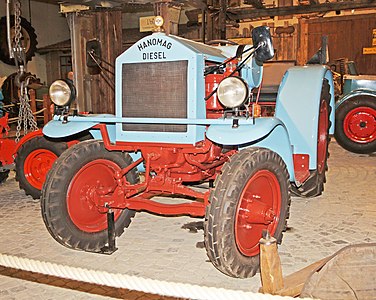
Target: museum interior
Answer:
pixel 187 149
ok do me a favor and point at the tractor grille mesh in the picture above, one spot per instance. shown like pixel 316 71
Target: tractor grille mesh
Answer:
pixel 155 90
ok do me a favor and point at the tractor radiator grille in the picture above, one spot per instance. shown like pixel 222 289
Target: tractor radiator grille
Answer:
pixel 155 90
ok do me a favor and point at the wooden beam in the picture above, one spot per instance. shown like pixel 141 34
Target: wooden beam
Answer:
pixel 251 13
pixel 255 3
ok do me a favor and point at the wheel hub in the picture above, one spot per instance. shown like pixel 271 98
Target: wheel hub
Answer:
pixel 85 205
pixel 36 166
pixel 359 125
pixel 258 209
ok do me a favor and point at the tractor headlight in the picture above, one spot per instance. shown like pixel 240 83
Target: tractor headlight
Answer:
pixel 62 92
pixel 232 92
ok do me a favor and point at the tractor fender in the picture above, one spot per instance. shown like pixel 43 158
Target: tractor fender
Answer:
pixel 298 104
pixel 57 129
pixel 26 138
pixel 245 133
pixel 356 93
pixel 278 141
pixel 265 132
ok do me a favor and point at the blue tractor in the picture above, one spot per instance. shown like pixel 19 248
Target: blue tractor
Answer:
pixel 186 114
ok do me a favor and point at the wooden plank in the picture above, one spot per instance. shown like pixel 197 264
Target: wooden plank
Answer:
pixel 251 13
pixel 270 265
pixel 346 39
pixel 293 283
pixel 302 54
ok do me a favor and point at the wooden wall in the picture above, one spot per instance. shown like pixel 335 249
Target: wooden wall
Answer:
pixel 95 93
pixel 347 36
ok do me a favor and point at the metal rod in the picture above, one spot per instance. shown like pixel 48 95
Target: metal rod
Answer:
pixel 111 230
pixel 11 55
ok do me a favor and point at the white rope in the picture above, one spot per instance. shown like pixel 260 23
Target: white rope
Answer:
pixel 140 284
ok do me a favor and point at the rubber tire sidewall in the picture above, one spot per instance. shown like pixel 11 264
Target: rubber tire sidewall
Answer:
pixel 53 202
pixel 219 226
pixel 341 112
pixel 39 142
pixel 3 176
pixel 4 50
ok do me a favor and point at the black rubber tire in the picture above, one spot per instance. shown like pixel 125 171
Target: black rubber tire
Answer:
pixel 3 176
pixel 35 144
pixel 53 202
pixel 27 29
pixel 341 112
pixel 219 225
pixel 314 185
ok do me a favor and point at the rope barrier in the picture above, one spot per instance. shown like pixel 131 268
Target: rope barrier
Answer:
pixel 152 286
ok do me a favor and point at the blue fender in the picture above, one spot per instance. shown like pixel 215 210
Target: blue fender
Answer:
pixel 265 132
pixel 57 129
pixel 356 93
pixel 278 141
pixel 245 133
pixel 298 103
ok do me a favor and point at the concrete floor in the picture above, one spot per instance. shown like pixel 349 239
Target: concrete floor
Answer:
pixel 159 248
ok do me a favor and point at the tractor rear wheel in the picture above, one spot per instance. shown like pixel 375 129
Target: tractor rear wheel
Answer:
pixel 314 185
pixel 69 210
pixel 251 195
pixel 356 124
pixel 33 161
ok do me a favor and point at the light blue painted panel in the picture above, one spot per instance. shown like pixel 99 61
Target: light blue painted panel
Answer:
pixel 76 124
pixel 297 106
pixel 356 93
pixel 279 142
pixel 227 135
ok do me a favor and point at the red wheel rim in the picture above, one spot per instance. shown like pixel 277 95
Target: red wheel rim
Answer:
pixel 80 196
pixel 322 136
pixel 36 166
pixel 359 125
pixel 259 208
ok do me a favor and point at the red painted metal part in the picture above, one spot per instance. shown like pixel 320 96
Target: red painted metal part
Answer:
pixel 259 208
pixel 7 147
pixel 4 127
pixel 36 166
pixel 28 137
pixel 167 167
pixel 322 136
pixel 214 108
pixel 359 125
pixel 85 211
pixel 301 167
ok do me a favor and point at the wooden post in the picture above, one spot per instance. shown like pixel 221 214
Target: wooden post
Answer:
pixel 47 113
pixel 302 53
pixel 270 264
pixel 33 103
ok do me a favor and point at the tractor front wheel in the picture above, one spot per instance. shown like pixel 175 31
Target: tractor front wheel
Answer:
pixel 251 195
pixel 69 209
pixel 3 176
pixel 356 124
pixel 33 161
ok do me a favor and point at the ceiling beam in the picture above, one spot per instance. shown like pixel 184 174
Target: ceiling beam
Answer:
pixel 251 13
pixel 255 3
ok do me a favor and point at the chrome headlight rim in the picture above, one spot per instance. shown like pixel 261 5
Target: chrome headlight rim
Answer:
pixel 233 92
pixel 62 92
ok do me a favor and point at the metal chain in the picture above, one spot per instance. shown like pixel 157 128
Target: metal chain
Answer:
pixel 25 115
pixel 18 49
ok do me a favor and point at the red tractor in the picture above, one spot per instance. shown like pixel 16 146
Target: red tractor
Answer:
pixel 31 157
